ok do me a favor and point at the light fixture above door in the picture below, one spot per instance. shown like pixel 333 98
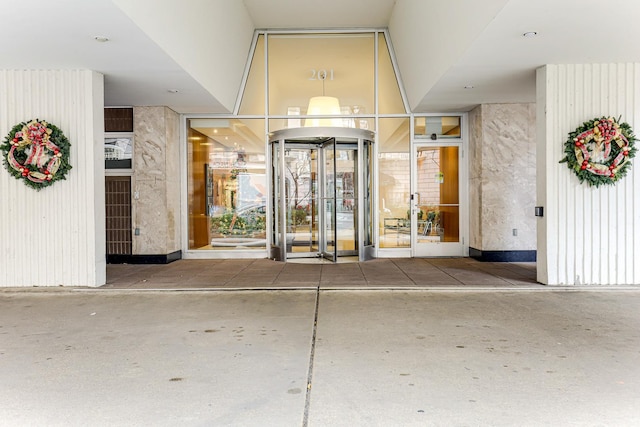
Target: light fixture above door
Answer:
pixel 323 106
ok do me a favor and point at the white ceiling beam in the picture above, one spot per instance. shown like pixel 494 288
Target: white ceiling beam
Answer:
pixel 430 36
pixel 209 39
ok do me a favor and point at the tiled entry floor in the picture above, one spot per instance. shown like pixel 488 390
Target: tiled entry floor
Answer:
pixel 397 273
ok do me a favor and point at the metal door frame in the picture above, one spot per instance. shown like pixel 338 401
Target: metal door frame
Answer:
pixel 319 136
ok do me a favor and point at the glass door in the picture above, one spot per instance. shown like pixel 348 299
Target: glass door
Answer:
pixel 301 199
pixel 329 235
pixel 435 212
pixel 322 203
pixel 365 200
pixel 346 199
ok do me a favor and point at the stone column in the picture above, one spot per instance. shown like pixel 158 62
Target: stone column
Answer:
pixel 156 184
pixel 502 177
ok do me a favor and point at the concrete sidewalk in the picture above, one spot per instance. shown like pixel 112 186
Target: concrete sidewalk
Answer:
pixel 320 358
pixel 398 273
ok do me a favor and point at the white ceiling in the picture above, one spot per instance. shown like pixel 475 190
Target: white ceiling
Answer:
pixel 498 62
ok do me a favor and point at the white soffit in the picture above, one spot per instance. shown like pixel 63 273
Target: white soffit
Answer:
pixel 209 39
pixel 430 36
pixel 320 14
pixel 136 70
pixel 501 63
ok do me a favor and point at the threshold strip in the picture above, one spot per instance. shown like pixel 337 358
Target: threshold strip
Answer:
pixel 307 400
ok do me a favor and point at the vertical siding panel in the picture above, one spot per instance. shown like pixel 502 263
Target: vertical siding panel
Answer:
pixel 561 192
pixel 582 110
pixel 53 226
pixel 633 228
pixel 622 210
pixel 575 220
pixel 6 238
pixel 555 197
pixel 585 111
pixel 552 199
pixel 594 227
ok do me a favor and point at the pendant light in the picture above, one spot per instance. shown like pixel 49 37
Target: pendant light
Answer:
pixel 323 106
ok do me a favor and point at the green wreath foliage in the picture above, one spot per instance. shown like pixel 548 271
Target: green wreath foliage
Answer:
pixel 600 151
pixel 44 166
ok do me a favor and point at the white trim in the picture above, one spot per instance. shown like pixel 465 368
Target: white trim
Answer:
pixel 247 70
pixel 460 248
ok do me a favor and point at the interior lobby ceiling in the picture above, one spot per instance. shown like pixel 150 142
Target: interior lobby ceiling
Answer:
pixel 497 65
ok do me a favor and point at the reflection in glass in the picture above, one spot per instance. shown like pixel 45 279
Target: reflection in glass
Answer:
pixel 226 185
pixel 304 66
pixel 437 186
pixel 301 189
pixel 253 94
pixel 329 199
pixel 394 180
pixel 437 127
pixel 389 96
pixel 346 197
pixel 118 152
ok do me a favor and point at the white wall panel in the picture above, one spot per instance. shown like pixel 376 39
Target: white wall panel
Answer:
pixel 587 233
pixel 55 236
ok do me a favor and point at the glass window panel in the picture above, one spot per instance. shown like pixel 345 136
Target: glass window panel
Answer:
pixel 358 122
pixel 394 182
pixel 441 126
pixel 302 66
pixel 253 96
pixel 438 187
pixel 118 152
pixel 389 95
pixel 275 201
pixel 227 185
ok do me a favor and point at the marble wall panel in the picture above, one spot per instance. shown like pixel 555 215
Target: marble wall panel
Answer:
pixel 503 172
pixel 475 177
pixel 173 180
pixel 156 181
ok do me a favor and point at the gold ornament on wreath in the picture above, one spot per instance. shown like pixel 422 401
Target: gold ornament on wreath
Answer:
pixel 600 151
pixel 36 152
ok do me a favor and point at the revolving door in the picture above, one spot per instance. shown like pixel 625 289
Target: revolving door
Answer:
pixel 321 193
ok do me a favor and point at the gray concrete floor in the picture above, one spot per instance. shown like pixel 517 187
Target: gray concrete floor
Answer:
pixel 479 354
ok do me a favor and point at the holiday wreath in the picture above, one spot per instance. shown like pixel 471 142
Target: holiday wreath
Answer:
pixel 37 152
pixel 599 151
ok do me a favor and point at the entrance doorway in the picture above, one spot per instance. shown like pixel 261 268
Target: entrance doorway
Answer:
pixel 436 208
pixel 321 193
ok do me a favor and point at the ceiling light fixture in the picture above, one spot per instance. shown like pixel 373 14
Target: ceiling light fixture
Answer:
pixel 468 87
pixel 323 106
pixel 173 90
pixel 529 34
pixel 101 39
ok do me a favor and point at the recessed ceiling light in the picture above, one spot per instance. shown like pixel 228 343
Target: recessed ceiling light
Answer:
pixel 101 39
pixel 173 90
pixel 529 34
